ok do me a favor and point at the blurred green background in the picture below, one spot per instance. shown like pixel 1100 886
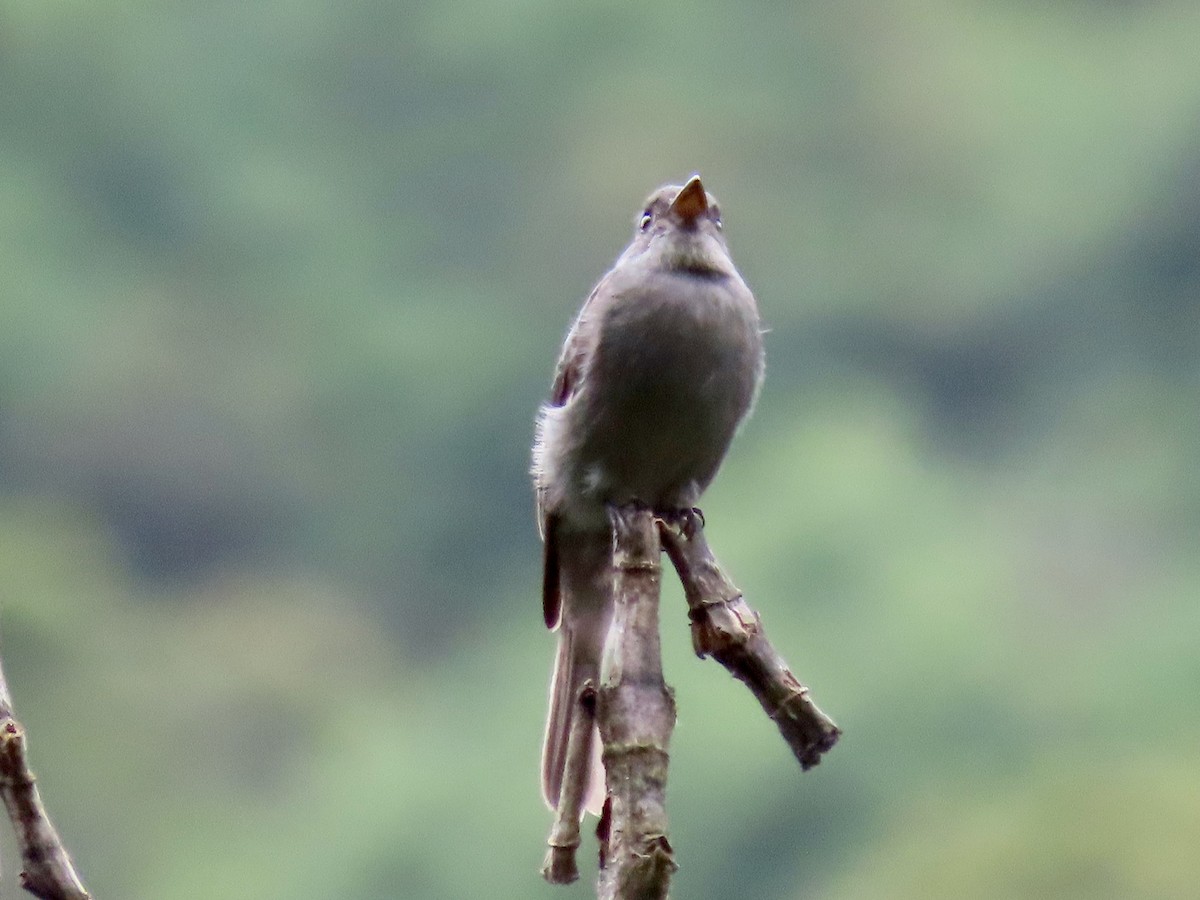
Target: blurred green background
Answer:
pixel 283 284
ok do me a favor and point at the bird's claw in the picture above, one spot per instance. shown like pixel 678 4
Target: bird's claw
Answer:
pixel 690 520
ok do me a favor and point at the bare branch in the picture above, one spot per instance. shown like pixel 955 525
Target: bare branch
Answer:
pixel 47 872
pixel 636 715
pixel 727 629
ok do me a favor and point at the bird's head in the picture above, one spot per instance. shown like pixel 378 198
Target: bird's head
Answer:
pixel 680 229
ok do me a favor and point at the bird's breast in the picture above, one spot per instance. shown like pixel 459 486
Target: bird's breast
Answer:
pixel 683 338
pixel 672 374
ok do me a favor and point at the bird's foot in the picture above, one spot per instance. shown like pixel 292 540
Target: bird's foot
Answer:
pixel 689 520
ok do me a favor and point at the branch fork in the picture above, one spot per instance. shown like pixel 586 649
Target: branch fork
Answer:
pixel 634 708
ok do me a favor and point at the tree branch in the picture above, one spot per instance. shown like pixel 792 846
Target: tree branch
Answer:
pixel 727 629
pixel 47 872
pixel 635 710
pixel 636 715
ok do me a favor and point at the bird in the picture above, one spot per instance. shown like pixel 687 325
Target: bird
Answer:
pixel 663 363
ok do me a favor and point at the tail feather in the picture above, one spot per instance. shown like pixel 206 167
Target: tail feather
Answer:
pixel 570 673
pixel 558 722
pixel 577 598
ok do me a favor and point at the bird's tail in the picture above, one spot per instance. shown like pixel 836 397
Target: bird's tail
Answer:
pixel 584 577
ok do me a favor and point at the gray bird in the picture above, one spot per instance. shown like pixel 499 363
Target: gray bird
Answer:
pixel 663 363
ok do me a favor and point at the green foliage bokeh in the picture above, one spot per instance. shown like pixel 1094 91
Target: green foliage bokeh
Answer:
pixel 284 284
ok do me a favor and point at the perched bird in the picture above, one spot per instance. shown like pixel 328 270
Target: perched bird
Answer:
pixel 663 363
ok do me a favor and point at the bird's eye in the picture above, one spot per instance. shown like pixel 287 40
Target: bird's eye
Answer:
pixel 647 218
pixel 717 218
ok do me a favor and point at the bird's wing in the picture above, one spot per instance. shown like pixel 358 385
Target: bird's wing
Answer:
pixel 574 355
pixel 567 376
pixel 551 580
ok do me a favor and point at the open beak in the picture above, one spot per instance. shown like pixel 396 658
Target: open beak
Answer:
pixel 691 202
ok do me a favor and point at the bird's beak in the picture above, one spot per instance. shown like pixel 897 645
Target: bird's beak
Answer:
pixel 691 202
